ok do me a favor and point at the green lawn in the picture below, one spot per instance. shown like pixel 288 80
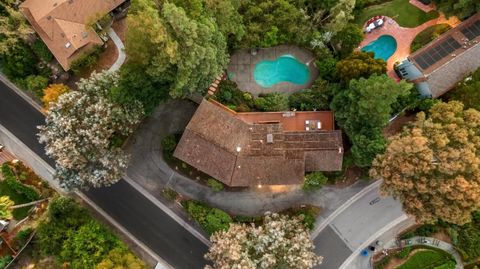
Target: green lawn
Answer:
pixel 401 10
pixel 17 198
pixel 425 259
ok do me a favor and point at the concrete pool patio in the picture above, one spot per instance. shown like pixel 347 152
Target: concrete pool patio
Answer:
pixel 404 36
pixel 242 64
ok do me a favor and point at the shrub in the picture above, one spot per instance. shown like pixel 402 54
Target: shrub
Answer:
pixel 120 258
pixel 36 84
pixel 272 102
pixel 19 62
pixel 41 50
pixel 5 260
pixel 215 184
pixel 51 94
pixel 88 245
pixel 169 194
pixel 382 263
pixel 308 217
pixel 169 143
pixel 22 237
pixel 210 219
pixel 404 252
pixel 22 189
pixel 230 95
pixel 314 181
pixel 85 61
pixel 316 98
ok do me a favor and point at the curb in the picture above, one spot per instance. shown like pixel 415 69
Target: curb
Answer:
pixel 346 263
pixel 167 210
pixel 339 210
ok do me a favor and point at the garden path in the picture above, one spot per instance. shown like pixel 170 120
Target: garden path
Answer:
pixel 431 242
pixel 404 36
pixel 423 7
pixel 121 50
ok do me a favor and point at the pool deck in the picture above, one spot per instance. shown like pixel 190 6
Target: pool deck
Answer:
pixel 404 36
pixel 242 64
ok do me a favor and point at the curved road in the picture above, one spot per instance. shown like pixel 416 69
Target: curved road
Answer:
pixel 143 219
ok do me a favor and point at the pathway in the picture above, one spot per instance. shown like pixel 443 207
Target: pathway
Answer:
pixel 121 50
pixel 431 242
pixel 403 35
pixel 422 6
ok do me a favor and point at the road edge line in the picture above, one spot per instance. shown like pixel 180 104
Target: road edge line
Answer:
pixel 340 209
pixel 123 230
pixel 167 210
pixel 369 240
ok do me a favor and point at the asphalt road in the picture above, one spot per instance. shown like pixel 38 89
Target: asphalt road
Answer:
pixel 122 202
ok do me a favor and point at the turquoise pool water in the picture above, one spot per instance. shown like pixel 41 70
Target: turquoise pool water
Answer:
pixel 383 47
pixel 285 68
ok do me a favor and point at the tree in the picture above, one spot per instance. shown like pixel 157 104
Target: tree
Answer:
pixel 460 8
pixel 433 166
pixel 340 14
pixel 272 102
pixel 185 52
pixel 80 132
pixel 363 109
pixel 314 181
pixel 51 94
pixel 281 242
pixel 5 207
pixel 346 40
pixel 13 27
pixel 468 91
pixel 36 84
pixel 88 245
pixel 360 65
pixel 18 62
pixel 318 97
pixel 270 23
pixel 229 21
pixel 120 258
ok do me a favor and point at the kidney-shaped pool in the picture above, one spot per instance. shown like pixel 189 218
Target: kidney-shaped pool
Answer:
pixel 383 47
pixel 285 68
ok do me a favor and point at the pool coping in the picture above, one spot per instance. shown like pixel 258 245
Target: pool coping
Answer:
pixel 242 64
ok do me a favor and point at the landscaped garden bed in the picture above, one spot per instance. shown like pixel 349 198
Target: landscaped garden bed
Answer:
pixel 428 35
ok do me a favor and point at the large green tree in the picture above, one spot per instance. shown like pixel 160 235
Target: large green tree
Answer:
pixel 360 65
pixel 468 91
pixel 363 109
pixel 459 8
pixel 272 22
pixel 433 166
pixel 177 45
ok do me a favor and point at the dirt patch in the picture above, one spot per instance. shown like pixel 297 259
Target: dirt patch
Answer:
pixel 442 236
pixel 397 124
pixel 351 176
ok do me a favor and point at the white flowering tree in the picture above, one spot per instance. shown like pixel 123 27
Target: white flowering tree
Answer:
pixel 281 242
pixel 80 132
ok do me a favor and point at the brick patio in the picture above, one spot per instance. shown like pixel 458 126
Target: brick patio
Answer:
pixel 404 36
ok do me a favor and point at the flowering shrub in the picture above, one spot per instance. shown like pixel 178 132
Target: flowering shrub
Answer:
pixel 79 129
pixel 281 242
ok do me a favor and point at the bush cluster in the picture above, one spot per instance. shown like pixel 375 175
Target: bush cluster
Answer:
pixel 314 181
pixel 215 184
pixel 210 219
pixel 71 235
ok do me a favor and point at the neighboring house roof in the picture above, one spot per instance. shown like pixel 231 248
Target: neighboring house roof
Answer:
pixel 221 143
pixel 449 58
pixel 63 25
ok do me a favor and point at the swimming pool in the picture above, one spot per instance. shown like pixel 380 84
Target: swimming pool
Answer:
pixel 285 68
pixel 383 47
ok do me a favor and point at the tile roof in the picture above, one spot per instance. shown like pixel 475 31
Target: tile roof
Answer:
pixel 63 25
pixel 220 143
pixel 443 71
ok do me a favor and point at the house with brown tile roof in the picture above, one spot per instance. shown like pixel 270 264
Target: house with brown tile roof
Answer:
pixel 441 64
pixel 260 148
pixel 64 25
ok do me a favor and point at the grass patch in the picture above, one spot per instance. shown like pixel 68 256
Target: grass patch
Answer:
pixel 428 35
pixel 402 11
pixel 426 259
